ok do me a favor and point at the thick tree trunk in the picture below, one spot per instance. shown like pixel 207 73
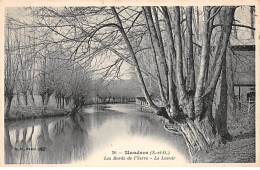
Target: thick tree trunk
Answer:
pixel 228 16
pixel 198 101
pixel 173 109
pixel 221 113
pixel 194 138
pixel 231 90
pixel 185 99
pixel 206 115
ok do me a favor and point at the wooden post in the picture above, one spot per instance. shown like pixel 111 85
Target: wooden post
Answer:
pixel 239 102
pixel 249 105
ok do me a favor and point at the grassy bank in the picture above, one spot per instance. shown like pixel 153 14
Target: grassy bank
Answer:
pixel 241 126
pixel 241 149
pixel 30 112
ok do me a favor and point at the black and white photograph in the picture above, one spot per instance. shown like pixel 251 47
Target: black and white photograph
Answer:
pixel 111 85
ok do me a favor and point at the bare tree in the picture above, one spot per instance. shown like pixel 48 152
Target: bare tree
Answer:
pixel 123 32
pixel 11 68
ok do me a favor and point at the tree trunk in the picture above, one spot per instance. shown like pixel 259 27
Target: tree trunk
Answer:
pixel 25 98
pixel 48 95
pixel 43 104
pixel 185 100
pixel 18 99
pixel 153 37
pixel 193 137
pixel 77 106
pixel 231 90
pixel 173 108
pixel 198 103
pixel 179 67
pixel 59 100
pixel 163 59
pixel 221 113
pixel 190 72
pixel 45 100
pixel 63 101
pixel 42 97
pixel 210 22
pixel 252 23
pixel 8 105
pixel 32 96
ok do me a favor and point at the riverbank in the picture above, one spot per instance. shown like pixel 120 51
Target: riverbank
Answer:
pixel 31 112
pixel 241 149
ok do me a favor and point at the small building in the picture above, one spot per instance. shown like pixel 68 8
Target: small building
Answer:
pixel 141 101
pixel 244 71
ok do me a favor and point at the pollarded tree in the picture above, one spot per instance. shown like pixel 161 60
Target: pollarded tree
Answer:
pixel 191 111
pixel 25 63
pixel 79 87
pixel 11 68
pixel 45 80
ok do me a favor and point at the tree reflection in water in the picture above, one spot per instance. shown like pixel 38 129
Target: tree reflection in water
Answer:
pixel 76 138
pixel 8 147
pixel 56 142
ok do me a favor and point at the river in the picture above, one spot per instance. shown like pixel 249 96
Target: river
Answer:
pixel 90 137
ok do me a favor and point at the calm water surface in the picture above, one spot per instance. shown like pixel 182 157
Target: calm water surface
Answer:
pixel 90 135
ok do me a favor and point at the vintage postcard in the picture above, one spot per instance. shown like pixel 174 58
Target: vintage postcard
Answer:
pixel 129 83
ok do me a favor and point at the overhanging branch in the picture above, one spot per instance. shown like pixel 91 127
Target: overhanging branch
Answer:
pixel 237 25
